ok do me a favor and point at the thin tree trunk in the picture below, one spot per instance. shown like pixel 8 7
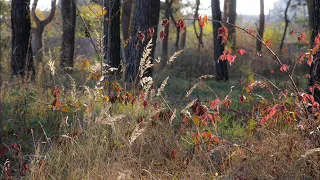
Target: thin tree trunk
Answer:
pixel 112 33
pixel 21 60
pixel 286 21
pixel 221 66
pixel 183 39
pixel 126 21
pixel 200 34
pixel 261 26
pixel 146 16
pixel 232 14
pixel 68 11
pixel 40 25
pixel 164 55
pixel 176 44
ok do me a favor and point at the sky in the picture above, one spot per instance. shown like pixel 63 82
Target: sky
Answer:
pixel 247 7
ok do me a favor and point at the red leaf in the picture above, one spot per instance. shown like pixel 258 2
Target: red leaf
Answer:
pixel 284 68
pixel 173 154
pixel 310 60
pixel 292 32
pixel 141 36
pixel 242 99
pixel 181 24
pixel 165 22
pixel 162 35
pixel 223 32
pixel 268 43
pixel 151 32
pixel 241 51
pixel 302 37
pixel 301 57
pixel 214 104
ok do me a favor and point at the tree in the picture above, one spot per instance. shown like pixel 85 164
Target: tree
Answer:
pixel 112 33
pixel 168 12
pixel 146 18
pixel 261 26
pixel 198 34
pixel 40 25
pixel 286 21
pixel 68 11
pixel 221 66
pixel 21 60
pixel 230 15
pixel 315 67
pixel 310 14
pixel 126 21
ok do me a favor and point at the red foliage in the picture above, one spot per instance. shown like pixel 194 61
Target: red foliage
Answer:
pixel 223 32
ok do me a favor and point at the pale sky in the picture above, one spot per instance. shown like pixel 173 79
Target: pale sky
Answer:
pixel 248 7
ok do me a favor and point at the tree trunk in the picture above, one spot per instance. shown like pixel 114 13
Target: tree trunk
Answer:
pixel 126 21
pixel 40 25
pixel 68 11
pixel 232 19
pixel 221 66
pixel 200 34
pixel 183 39
pixel 261 26
pixel 286 21
pixel 164 55
pixel 21 60
pixel 315 67
pixel 146 16
pixel 310 15
pixel 112 33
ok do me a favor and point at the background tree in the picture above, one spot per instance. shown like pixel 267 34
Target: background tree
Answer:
pixel 68 12
pixel 146 16
pixel 112 33
pixel 21 60
pixel 261 26
pixel 286 23
pixel 40 25
pixel 221 66
pixel 126 21
pixel 315 67
pixel 200 33
pixel 230 15
pixel 167 13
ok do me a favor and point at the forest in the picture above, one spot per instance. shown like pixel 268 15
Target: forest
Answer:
pixel 160 89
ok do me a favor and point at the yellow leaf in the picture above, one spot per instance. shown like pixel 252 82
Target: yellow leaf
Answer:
pixel 105 12
pixel 196 120
pixel 65 109
pixel 107 19
pixel 85 64
pixel 315 49
pixel 106 98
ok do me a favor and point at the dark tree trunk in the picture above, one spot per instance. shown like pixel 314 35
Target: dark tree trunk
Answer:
pixel 112 42
pixel 176 44
pixel 310 15
pixel 286 21
pixel 126 21
pixel 261 26
pixel 38 31
pixel 315 67
pixel 230 15
pixel 183 39
pixel 21 60
pixel 146 16
pixel 221 66
pixel 164 55
pixel 68 11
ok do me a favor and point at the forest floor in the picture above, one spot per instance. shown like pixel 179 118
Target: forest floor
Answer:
pixel 101 130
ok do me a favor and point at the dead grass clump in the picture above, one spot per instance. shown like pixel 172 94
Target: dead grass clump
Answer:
pixel 276 156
